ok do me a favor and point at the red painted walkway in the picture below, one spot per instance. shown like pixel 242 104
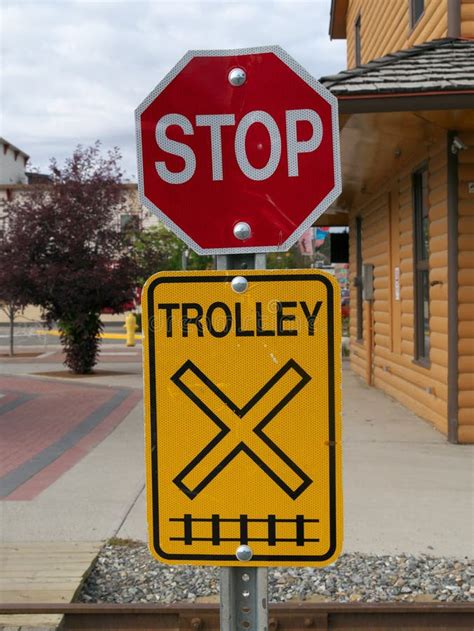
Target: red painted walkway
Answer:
pixel 48 426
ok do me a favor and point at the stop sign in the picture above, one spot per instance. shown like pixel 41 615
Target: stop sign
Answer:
pixel 238 151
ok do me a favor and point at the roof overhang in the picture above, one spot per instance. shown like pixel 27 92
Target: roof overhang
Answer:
pixel 8 145
pixel 337 23
pixel 378 144
pixel 405 102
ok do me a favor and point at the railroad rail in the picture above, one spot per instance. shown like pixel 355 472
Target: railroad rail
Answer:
pixel 295 616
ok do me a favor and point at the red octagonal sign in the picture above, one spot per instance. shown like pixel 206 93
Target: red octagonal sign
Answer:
pixel 242 138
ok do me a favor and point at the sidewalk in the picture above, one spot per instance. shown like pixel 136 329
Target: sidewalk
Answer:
pixel 71 467
pixel 406 489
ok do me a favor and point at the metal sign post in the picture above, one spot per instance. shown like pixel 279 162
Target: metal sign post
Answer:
pixel 238 154
pixel 244 590
pixel 243 600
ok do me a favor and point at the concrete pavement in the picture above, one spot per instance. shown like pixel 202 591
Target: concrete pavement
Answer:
pixel 406 489
pixel 102 432
pixel 64 479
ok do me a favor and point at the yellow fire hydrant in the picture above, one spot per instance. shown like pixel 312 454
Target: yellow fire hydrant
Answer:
pixel 130 327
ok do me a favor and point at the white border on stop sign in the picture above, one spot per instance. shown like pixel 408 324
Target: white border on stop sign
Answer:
pixel 305 76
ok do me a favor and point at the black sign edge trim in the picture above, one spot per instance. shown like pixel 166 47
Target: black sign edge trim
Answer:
pixel 332 420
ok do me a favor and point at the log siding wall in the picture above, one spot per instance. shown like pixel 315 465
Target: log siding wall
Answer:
pixel 386 28
pixel 385 355
pixel 466 291
pixel 387 242
pixel 467 18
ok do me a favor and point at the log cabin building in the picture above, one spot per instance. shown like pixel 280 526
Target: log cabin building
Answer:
pixel 406 109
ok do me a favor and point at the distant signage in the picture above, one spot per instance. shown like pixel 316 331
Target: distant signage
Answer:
pixel 242 399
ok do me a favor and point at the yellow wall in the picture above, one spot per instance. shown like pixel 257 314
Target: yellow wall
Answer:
pixel 467 18
pixel 387 234
pixel 385 26
pixel 466 291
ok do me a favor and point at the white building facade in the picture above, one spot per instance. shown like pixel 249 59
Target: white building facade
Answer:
pixel 12 164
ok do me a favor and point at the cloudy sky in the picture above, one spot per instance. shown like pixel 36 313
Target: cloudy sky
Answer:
pixel 74 71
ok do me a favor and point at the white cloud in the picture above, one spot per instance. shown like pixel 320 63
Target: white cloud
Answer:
pixel 74 71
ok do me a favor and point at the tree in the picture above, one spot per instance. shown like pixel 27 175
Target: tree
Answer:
pixel 156 249
pixel 14 289
pixel 292 259
pixel 77 262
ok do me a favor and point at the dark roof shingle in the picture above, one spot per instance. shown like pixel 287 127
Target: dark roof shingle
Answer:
pixel 441 65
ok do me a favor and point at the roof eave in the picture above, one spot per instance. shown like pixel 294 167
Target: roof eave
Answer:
pixel 13 148
pixel 337 22
pixel 405 102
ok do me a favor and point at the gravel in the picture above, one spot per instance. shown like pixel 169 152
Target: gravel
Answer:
pixel 126 573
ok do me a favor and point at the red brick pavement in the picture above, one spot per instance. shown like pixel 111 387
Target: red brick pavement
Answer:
pixel 48 426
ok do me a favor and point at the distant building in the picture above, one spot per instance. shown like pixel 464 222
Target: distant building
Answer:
pixel 12 164
pixel 15 180
pixel 38 178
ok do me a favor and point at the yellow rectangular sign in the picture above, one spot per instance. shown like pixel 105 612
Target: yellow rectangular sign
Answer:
pixel 242 415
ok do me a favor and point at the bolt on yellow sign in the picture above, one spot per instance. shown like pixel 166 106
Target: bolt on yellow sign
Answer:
pixel 242 415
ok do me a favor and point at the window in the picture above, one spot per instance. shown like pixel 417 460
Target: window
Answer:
pixel 340 247
pixel 421 264
pixel 416 10
pixel 358 281
pixel 357 41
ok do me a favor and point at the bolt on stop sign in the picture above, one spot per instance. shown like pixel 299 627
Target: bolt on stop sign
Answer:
pixel 238 151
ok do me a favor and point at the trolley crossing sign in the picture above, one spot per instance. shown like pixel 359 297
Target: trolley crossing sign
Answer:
pixel 242 400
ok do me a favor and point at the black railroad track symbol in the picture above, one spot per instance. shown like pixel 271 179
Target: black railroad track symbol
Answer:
pixel 244 534
pixel 250 420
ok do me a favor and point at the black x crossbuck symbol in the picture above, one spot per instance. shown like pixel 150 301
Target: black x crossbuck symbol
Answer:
pixel 243 429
